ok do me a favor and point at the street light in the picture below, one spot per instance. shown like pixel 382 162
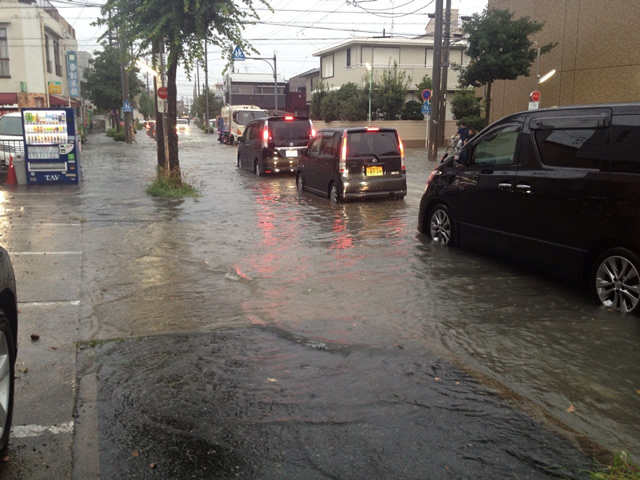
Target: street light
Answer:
pixel 370 69
pixel 547 76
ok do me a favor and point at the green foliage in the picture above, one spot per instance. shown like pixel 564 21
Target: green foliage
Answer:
pixel 321 90
pixel 412 110
pixel 329 107
pixel 390 93
pixel 353 103
pixel 464 104
pixel 425 84
pixel 166 186
pixel 499 47
pixel 145 104
pixel 103 80
pixel 199 106
pixel 622 469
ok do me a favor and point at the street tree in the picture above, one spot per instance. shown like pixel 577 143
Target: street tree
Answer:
pixel 104 84
pixel 180 27
pixel 145 104
pixel 390 92
pixel 199 106
pixel 500 48
pixel 466 107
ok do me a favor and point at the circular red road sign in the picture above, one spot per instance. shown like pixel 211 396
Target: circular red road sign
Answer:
pixel 163 93
pixel 535 96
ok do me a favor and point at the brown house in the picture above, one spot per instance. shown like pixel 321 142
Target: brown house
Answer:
pixel 596 59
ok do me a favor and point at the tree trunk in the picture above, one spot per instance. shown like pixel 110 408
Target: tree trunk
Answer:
pixel 174 163
pixel 162 159
pixel 487 115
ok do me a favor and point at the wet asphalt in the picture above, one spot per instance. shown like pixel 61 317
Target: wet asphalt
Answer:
pixel 256 332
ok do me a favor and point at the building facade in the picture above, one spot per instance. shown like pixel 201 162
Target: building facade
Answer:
pixel 34 41
pixel 596 59
pixel 258 89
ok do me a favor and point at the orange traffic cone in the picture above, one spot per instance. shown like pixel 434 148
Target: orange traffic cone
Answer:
pixel 11 173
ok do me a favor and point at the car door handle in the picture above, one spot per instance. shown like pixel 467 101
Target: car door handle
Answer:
pixel 524 187
pixel 504 186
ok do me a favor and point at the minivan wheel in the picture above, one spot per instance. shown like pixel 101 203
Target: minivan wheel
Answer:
pixel 440 225
pixel 7 380
pixel 615 280
pixel 334 195
pixel 300 182
pixel 238 161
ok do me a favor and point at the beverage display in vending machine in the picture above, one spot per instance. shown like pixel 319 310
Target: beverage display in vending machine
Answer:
pixel 51 145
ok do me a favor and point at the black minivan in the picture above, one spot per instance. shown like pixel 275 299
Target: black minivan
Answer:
pixel 349 163
pixel 273 144
pixel 557 189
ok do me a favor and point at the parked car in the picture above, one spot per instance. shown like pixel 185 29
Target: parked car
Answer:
pixel 11 136
pixel 556 189
pixel 351 163
pixel 8 345
pixel 273 144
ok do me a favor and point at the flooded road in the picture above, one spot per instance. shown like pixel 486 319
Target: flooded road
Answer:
pixel 256 256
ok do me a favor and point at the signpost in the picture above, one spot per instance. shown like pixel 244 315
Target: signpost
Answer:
pixel 238 54
pixel 426 94
pixel 163 93
pixel 535 100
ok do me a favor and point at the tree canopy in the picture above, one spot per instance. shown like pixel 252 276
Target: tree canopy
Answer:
pixel 500 48
pixel 180 27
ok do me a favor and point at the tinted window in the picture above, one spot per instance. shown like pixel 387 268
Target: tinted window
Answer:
pixel 243 117
pixel 329 145
pixel 10 125
pixel 625 149
pixel 287 131
pixel 497 147
pixel 361 144
pixel 573 148
pixel 314 148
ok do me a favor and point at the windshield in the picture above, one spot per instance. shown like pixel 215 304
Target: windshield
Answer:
pixel 183 121
pixel 243 117
pixel 10 125
pixel 361 144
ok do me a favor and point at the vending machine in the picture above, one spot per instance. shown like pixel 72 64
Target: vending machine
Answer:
pixel 51 145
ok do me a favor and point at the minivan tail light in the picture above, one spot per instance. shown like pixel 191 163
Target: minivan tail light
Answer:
pixel 265 135
pixel 313 130
pixel 401 147
pixel 373 129
pixel 343 155
pixel 288 117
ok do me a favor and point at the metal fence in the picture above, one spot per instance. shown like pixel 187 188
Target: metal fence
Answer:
pixel 8 148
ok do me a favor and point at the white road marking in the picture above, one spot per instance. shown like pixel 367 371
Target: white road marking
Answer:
pixel 25 431
pixel 48 304
pixel 44 253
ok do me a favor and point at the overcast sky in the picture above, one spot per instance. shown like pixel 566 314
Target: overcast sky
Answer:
pixel 294 31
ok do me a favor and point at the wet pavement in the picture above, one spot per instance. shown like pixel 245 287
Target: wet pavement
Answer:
pixel 256 332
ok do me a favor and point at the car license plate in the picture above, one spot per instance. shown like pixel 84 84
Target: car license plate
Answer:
pixel 291 153
pixel 374 171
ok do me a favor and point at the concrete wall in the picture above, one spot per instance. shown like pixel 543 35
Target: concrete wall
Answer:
pixel 596 59
pixel 412 132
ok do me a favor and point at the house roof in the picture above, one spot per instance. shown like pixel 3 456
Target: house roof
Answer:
pixel 422 41
pixel 254 78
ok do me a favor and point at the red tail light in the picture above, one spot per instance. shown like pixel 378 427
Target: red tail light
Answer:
pixel 313 130
pixel 343 155
pixel 373 129
pixel 265 135
pixel 401 147
pixel 288 117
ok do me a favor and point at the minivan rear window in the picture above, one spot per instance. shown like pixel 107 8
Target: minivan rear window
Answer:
pixel 242 117
pixel 360 144
pixel 294 131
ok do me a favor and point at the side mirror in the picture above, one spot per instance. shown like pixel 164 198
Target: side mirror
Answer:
pixel 241 139
pixel 463 157
pixel 304 151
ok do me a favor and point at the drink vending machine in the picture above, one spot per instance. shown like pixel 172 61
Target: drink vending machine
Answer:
pixel 51 145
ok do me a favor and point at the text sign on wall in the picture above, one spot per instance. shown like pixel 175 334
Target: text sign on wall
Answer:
pixel 72 74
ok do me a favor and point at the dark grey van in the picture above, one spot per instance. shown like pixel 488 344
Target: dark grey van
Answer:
pixel 556 189
pixel 273 144
pixel 354 163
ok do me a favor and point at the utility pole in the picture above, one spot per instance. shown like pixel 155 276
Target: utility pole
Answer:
pixel 445 72
pixel 206 87
pixel 437 67
pixel 125 92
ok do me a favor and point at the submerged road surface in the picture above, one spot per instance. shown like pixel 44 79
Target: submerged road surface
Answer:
pixel 257 332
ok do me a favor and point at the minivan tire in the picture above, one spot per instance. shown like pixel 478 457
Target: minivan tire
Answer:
pixel 615 280
pixel 7 380
pixel 334 195
pixel 238 161
pixel 300 182
pixel 440 225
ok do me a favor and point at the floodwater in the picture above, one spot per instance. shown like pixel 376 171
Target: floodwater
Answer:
pixel 253 253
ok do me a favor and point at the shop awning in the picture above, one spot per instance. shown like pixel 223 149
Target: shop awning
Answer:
pixel 8 98
pixel 60 101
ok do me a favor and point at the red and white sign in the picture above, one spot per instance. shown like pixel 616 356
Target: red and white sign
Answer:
pixel 535 96
pixel 163 93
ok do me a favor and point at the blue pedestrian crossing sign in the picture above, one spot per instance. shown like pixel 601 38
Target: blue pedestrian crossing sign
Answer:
pixel 127 106
pixel 238 54
pixel 426 108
